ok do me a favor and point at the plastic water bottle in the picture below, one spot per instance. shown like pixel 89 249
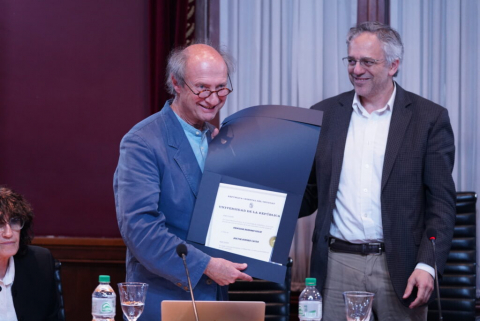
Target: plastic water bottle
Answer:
pixel 310 302
pixel 103 300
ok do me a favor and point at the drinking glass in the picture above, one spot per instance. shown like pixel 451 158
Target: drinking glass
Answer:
pixel 132 298
pixel 358 305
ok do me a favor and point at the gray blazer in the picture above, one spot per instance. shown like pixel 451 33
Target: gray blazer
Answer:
pixel 417 189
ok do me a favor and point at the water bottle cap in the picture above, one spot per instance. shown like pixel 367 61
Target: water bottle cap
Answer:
pixel 104 278
pixel 311 281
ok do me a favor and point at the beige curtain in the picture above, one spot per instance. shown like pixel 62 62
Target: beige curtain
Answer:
pixel 288 52
pixel 442 63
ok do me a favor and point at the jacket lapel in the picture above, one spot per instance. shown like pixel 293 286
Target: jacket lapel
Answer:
pixel 398 126
pixel 183 153
pixel 340 121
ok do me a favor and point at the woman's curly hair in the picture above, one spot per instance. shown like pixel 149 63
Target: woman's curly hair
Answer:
pixel 12 205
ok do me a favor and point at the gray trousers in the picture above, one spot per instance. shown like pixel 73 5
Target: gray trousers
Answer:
pixel 354 272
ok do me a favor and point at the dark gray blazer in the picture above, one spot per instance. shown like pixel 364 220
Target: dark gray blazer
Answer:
pixel 417 189
pixel 34 291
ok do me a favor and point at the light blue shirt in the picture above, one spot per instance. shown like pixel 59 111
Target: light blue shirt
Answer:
pixel 197 139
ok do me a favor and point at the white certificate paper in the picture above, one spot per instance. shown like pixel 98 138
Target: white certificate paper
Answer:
pixel 245 221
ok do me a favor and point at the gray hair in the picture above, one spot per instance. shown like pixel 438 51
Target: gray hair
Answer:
pixel 390 38
pixel 177 61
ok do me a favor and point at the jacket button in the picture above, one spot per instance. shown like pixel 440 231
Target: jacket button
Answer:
pixel 185 288
pixel 209 281
pixel 179 284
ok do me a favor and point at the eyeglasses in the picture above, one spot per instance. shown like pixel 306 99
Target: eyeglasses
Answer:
pixel 364 62
pixel 16 224
pixel 204 94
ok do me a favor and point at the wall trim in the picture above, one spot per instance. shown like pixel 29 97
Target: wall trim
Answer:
pixel 84 250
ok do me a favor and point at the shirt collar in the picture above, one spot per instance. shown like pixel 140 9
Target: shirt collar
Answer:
pixel 359 109
pixel 10 274
pixel 189 128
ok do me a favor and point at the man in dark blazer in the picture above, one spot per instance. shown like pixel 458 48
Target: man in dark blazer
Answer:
pixel 157 179
pixel 381 179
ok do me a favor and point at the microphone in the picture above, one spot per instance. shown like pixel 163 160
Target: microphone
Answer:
pixel 182 251
pixel 432 236
pixel 431 233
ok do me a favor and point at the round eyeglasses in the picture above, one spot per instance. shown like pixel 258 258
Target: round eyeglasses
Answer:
pixel 204 94
pixel 15 223
pixel 364 62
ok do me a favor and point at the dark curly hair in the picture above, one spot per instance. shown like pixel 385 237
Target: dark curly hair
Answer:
pixel 13 204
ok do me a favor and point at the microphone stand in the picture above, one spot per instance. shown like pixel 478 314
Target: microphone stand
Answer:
pixel 440 317
pixel 190 286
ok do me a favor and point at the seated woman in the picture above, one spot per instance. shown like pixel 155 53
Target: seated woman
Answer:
pixel 27 284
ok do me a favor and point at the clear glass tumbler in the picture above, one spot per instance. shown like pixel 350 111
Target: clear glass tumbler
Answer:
pixel 358 305
pixel 132 298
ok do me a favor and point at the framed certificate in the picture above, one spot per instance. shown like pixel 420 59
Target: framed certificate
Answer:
pixel 245 221
pixel 252 187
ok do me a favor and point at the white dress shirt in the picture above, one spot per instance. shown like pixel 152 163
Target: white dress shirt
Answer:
pixel 7 310
pixel 357 217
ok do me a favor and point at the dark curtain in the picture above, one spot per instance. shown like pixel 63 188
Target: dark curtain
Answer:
pixel 172 24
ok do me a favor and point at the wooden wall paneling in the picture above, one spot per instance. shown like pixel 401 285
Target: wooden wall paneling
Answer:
pixel 83 260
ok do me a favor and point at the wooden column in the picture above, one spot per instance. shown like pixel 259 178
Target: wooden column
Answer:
pixel 373 10
pixel 207 28
pixel 207 21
